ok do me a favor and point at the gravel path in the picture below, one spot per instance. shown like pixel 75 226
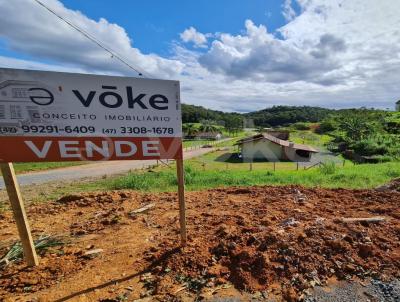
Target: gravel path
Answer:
pixel 373 291
pixel 97 169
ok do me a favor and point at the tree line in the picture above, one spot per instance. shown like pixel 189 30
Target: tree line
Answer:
pixel 270 117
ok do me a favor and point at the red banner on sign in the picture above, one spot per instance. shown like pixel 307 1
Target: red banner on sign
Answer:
pixel 37 149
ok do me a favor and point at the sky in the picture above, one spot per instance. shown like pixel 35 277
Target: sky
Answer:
pixel 229 55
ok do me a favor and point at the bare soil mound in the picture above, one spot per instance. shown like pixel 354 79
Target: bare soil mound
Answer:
pixel 394 185
pixel 251 242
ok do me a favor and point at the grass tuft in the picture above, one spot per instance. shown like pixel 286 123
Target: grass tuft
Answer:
pixel 43 243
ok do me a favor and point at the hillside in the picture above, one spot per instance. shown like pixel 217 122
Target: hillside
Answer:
pixel 274 116
pixel 284 115
pixel 195 114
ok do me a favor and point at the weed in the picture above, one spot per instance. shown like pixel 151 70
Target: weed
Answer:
pixel 327 168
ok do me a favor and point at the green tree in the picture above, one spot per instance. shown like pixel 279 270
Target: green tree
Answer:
pixel 189 129
pixel 233 124
pixel 207 126
pixel 359 124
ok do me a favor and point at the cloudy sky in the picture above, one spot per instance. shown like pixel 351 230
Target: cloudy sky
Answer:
pixel 231 55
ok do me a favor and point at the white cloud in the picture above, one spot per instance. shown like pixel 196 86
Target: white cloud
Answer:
pixel 192 35
pixel 259 56
pixel 288 12
pixel 334 53
pixel 30 29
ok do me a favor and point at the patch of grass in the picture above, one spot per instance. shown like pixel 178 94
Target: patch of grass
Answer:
pixel 208 172
pixel 222 143
pixel 308 137
pixel 30 167
pixel 327 168
pixel 195 143
pixel 43 243
pixel 227 160
pixel 352 177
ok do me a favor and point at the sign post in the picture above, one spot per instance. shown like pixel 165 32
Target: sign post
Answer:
pixel 55 116
pixel 181 197
pixel 18 209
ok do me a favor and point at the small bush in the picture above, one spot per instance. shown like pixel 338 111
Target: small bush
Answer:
pixel 190 175
pixel 392 173
pixel 325 127
pixel 301 126
pixel 327 168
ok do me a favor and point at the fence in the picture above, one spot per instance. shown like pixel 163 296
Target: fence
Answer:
pixel 198 144
pixel 218 159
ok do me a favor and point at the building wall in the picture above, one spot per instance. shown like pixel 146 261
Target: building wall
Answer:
pixel 262 149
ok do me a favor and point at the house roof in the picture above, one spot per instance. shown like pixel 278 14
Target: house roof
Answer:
pixel 277 141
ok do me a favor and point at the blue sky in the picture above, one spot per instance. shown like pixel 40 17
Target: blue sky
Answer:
pixel 228 55
pixel 154 24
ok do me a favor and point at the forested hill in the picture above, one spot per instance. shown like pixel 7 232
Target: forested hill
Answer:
pixel 274 116
pixel 196 114
pixel 284 115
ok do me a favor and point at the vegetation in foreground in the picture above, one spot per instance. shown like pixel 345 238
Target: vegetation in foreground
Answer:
pixel 364 135
pixel 327 176
pixel 363 176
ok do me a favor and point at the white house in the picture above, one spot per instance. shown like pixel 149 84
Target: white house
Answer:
pixel 267 147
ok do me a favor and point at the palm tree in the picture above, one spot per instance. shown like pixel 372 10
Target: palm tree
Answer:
pixel 208 127
pixel 189 129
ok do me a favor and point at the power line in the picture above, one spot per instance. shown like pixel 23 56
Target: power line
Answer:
pixel 93 39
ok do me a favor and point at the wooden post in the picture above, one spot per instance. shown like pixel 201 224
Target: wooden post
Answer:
pixel 274 166
pixel 19 213
pixel 251 167
pixel 297 166
pixel 181 197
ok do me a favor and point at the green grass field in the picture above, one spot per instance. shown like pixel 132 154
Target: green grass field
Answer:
pixel 309 138
pixel 212 170
pixel 354 177
pixel 214 174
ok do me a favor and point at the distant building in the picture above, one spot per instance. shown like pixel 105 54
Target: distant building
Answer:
pixel 398 105
pixel 267 147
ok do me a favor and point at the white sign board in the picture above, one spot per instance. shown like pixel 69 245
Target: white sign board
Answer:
pixel 52 116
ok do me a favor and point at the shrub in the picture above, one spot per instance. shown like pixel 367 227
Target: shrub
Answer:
pixel 301 126
pixel 325 127
pixel 327 168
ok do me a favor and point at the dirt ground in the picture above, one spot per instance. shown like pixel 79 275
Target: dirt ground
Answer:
pixel 245 244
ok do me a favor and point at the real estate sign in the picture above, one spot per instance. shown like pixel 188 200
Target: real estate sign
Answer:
pixel 54 116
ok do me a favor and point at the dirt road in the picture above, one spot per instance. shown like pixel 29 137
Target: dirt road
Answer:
pixel 97 169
